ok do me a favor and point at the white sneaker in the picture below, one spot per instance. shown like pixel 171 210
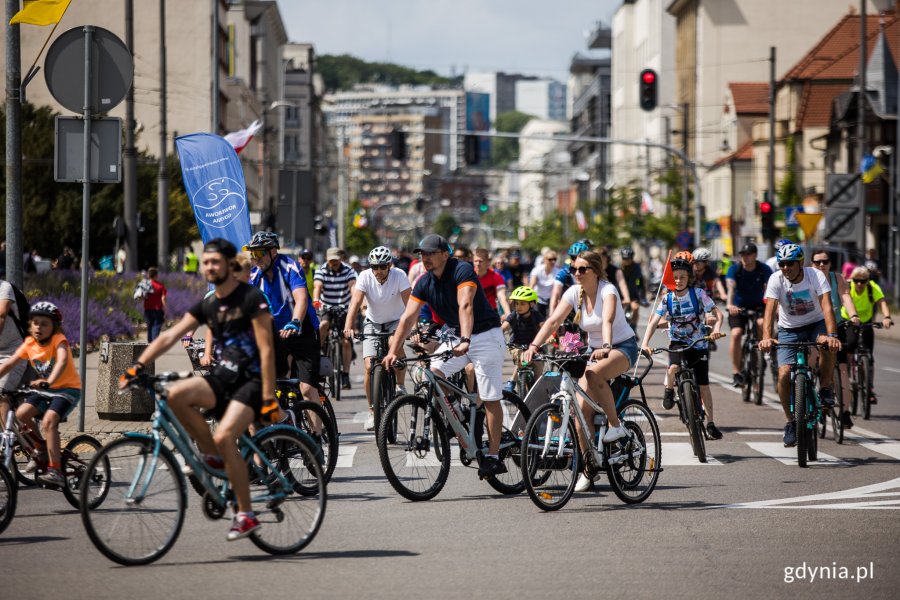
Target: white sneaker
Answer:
pixel 370 422
pixel 584 483
pixel 400 391
pixel 614 433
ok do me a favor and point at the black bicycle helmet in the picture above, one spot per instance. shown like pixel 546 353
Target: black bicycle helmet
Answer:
pixel 262 239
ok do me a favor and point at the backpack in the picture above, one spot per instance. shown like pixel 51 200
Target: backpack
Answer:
pixel 23 308
pixel 694 302
pixel 143 289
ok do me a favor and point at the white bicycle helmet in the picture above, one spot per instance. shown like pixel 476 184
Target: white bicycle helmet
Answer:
pixel 380 256
pixel 702 254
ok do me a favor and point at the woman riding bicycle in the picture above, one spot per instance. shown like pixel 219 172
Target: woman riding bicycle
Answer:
pixel 599 312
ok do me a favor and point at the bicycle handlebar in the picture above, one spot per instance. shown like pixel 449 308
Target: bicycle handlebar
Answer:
pixel 705 338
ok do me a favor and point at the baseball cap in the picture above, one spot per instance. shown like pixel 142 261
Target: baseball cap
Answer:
pixel 433 243
pixel 221 246
pixel 333 253
pixel 748 248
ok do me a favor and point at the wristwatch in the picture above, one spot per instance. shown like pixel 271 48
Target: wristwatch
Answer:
pixel 834 335
pixel 464 340
pixel 605 346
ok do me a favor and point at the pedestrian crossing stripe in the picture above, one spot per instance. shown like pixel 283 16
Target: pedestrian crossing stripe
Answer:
pixel 345 457
pixel 875 497
pixel 680 454
pixel 788 456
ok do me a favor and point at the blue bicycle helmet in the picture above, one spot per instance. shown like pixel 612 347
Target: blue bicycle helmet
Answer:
pixel 790 252
pixel 577 248
pixel 782 242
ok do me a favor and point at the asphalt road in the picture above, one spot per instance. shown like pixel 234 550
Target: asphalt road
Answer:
pixel 746 525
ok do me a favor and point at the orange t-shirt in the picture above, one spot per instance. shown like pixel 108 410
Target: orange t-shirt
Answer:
pixel 43 358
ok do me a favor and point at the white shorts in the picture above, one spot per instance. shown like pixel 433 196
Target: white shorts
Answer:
pixel 487 353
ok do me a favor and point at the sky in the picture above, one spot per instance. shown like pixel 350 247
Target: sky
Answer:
pixel 533 37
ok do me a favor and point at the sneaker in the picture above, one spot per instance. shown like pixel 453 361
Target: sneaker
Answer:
pixel 614 433
pixel 846 420
pixel 400 391
pixel 669 398
pixel 873 399
pixel 370 422
pixel 242 526
pixel 738 380
pixel 713 432
pixel 345 381
pixel 37 460
pixel 52 478
pixel 826 396
pixel 490 467
pixel 790 435
pixel 584 483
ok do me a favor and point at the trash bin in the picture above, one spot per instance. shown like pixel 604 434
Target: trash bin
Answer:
pixel 132 405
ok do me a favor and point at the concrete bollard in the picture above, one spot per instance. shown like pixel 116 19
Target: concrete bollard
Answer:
pixel 133 405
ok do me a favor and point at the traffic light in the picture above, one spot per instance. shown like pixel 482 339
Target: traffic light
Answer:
pixel 484 206
pixel 648 91
pixel 767 218
pixel 471 150
pixel 398 144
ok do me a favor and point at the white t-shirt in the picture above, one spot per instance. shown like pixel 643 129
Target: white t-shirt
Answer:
pixel 384 302
pixel 798 303
pixel 9 337
pixel 592 322
pixel 772 262
pixel 545 281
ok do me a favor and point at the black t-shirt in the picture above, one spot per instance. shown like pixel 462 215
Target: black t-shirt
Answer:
pixel 520 274
pixel 230 319
pixel 634 278
pixel 440 294
pixel 524 329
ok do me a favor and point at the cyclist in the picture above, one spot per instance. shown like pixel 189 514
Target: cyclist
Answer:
pixel 599 312
pixel 865 294
pixel 385 291
pixel 12 332
pixel 450 286
pixel 294 320
pixel 49 354
pixel 492 283
pixel 840 302
pixel 772 261
pixel 684 310
pixel 564 279
pixel 801 297
pixel 746 288
pixel 334 282
pixel 634 279
pixel 524 323
pixel 705 276
pixel 308 267
pixel 542 278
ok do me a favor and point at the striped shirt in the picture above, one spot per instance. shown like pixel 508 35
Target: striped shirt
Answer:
pixel 335 285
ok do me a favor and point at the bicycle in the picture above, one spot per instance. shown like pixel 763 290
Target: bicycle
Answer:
pixel 687 397
pixel 524 373
pixel 141 518
pixel 413 441
pixel 17 446
pixel 860 369
pixel 382 382
pixel 753 363
pixel 8 496
pixel 804 403
pixel 299 414
pixel 551 453
pixel 334 347
pixel 196 348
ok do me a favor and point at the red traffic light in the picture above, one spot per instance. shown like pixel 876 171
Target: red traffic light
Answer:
pixel 648 77
pixel 765 207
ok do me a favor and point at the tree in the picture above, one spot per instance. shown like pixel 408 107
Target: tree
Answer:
pixel 358 240
pixel 445 225
pixel 506 150
pixel 342 72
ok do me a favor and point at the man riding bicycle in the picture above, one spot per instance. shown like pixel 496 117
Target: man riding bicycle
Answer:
pixel 746 287
pixel 238 317
pixel 385 291
pixel 333 286
pixel 451 287
pixel 634 278
pixel 801 296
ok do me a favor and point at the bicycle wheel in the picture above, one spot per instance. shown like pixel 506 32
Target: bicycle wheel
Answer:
pixel 381 393
pixel 748 368
pixel 524 381
pixel 800 391
pixel 337 360
pixel 759 381
pixel 134 525
pixel 416 466
pixel 515 417
pixel 633 473
pixel 837 422
pixel 326 436
pixel 812 448
pixel 79 451
pixel 550 458
pixel 8 495
pixel 689 397
pixel 854 383
pixel 292 518
pixel 19 462
pixel 865 386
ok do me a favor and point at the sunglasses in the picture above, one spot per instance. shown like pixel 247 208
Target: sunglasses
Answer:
pixel 861 281
pixel 822 262
pixel 787 263
pixel 380 267
pixel 581 270
pixel 257 254
pixel 551 260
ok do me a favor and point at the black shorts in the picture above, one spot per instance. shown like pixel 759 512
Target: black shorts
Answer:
pixel 739 321
pixel 245 391
pixel 842 337
pixel 305 350
pixel 698 360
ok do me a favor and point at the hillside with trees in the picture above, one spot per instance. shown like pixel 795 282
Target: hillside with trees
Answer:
pixel 342 72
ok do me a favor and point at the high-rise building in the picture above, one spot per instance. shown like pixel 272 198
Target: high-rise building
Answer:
pixel 542 98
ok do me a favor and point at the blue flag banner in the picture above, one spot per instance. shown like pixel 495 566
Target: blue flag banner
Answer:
pixel 214 181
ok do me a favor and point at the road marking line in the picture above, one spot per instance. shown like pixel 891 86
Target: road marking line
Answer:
pixel 345 457
pixel 767 432
pixel 865 492
pixel 679 454
pixel 891 448
pixel 788 456
pixel 678 433
pixel 360 417
pixel 891 369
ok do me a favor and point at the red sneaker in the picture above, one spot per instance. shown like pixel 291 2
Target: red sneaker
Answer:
pixel 242 526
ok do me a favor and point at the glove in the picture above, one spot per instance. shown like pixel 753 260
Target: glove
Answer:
pixel 295 327
pixel 130 374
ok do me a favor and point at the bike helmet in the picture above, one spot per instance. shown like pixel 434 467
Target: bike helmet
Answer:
pixel 577 248
pixel 682 264
pixel 702 254
pixel 380 256
pixel 627 252
pixel 262 239
pixel 782 242
pixel 524 294
pixel 684 255
pixel 790 252
pixel 587 242
pixel 46 309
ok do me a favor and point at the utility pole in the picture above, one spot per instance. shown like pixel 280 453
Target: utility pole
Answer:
pixel 14 239
pixel 861 125
pixel 215 66
pixel 129 156
pixel 685 200
pixel 162 188
pixel 771 166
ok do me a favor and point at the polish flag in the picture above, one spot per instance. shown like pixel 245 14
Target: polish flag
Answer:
pixel 240 139
pixel 646 203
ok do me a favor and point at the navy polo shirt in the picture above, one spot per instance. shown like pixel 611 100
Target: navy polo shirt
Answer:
pixel 441 294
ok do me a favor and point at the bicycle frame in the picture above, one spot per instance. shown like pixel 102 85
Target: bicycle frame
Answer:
pixel 13 432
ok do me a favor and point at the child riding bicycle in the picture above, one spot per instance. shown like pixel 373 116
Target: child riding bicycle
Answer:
pixel 524 322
